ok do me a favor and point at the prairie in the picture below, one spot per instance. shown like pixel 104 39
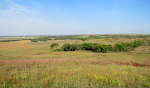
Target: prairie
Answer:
pixel 27 64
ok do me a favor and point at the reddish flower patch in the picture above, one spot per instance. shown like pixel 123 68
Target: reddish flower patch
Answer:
pixel 32 61
pixel 121 63
pixel 131 63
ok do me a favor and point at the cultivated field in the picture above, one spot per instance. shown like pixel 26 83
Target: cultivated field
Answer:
pixel 28 64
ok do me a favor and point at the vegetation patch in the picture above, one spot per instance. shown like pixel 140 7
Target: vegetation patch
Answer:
pixel 9 40
pixel 54 45
pixel 95 47
pixel 40 39
pixel 70 47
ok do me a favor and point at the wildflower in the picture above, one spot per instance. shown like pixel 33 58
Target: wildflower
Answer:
pixel 99 77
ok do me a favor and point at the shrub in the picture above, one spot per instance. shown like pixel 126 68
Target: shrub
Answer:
pixel 136 43
pixel 120 47
pixel 40 39
pixel 54 45
pixel 34 40
pixel 88 46
pixel 127 46
pixel 108 47
pixel 9 40
pixel 96 47
pixel 99 48
pixel 70 47
pixel 102 48
pixel 83 39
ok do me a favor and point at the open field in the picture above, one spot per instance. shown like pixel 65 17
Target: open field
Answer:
pixel 27 64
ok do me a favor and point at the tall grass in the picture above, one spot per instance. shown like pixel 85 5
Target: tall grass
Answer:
pixel 73 76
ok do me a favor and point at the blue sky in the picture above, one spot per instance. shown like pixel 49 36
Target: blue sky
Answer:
pixel 55 17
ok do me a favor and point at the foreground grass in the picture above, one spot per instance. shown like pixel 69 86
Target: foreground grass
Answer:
pixel 73 75
pixel 78 69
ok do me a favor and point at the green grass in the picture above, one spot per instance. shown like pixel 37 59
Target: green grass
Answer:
pixel 75 69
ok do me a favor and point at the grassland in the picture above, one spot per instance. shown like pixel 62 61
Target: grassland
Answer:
pixel 26 64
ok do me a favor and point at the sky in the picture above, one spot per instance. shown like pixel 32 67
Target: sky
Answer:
pixel 65 17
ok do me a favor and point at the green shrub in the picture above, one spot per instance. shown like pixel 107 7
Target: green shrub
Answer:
pixel 102 48
pixel 108 47
pixel 10 40
pixel 95 47
pixel 136 43
pixel 40 39
pixel 99 48
pixel 88 46
pixel 126 46
pixel 120 47
pixel 70 47
pixel 54 45
pixel 34 40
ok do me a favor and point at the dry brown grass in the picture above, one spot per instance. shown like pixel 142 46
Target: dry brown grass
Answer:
pixel 24 64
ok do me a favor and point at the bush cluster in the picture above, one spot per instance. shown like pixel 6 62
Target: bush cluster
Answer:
pixel 70 47
pixel 54 45
pixel 102 48
pixel 40 39
pixel 9 40
pixel 95 47
pixel 126 46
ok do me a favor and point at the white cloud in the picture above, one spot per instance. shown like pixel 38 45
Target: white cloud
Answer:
pixel 13 9
pixel 17 20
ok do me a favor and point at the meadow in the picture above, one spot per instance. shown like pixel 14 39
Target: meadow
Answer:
pixel 31 62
